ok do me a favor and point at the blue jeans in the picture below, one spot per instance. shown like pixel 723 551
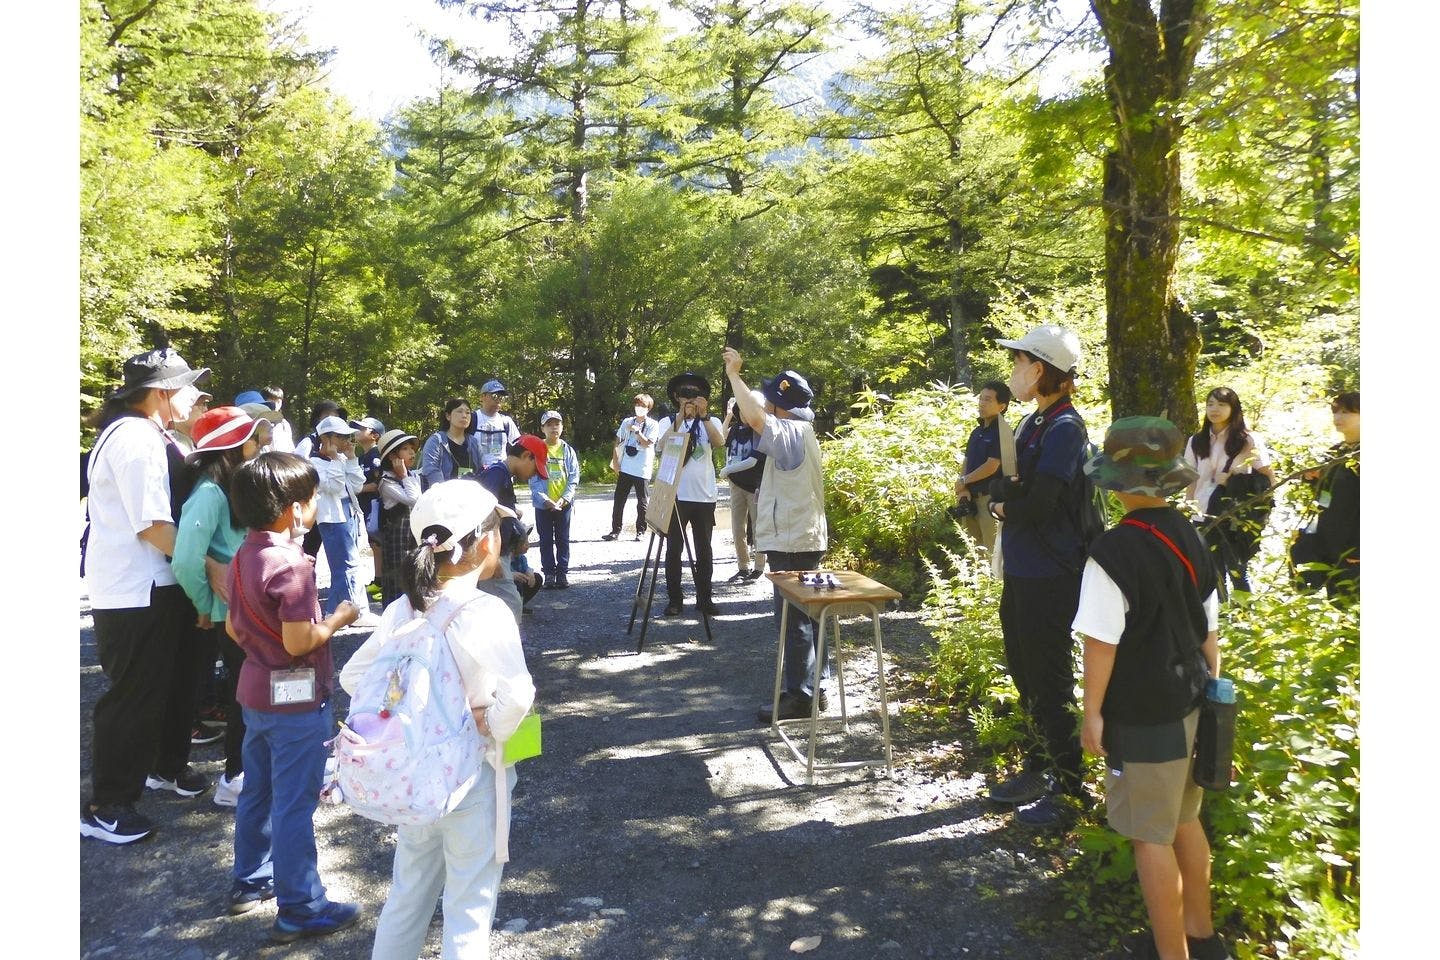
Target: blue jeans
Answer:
pixel 284 757
pixel 342 551
pixel 801 636
pixel 554 529
pixel 455 856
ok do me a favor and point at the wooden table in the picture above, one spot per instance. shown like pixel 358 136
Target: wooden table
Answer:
pixel 855 595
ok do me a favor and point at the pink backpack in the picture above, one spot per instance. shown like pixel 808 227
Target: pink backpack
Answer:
pixel 409 751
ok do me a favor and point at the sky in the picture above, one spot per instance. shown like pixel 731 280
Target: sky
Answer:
pixel 381 60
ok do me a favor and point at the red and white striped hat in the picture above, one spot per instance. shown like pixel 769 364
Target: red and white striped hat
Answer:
pixel 221 428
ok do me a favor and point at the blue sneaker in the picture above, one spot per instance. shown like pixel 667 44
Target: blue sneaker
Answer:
pixel 246 895
pixel 334 916
pixel 1041 814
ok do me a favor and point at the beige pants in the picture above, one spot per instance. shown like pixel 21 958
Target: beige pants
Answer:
pixel 742 506
pixel 982 525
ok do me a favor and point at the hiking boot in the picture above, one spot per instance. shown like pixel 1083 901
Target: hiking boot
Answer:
pixel 793 706
pixel 612 535
pixel 227 789
pixel 708 608
pixel 246 895
pixel 673 608
pixel 114 823
pixel 200 735
pixel 1029 785
pixel 187 783
pixel 1041 814
pixel 562 581
pixel 333 916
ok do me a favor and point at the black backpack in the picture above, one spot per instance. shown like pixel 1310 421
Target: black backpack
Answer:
pixel 1089 511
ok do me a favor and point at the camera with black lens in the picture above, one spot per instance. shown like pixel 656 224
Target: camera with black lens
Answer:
pixel 965 508
pixel 631 450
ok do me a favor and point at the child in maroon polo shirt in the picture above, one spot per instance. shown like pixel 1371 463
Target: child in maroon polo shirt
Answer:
pixel 284 691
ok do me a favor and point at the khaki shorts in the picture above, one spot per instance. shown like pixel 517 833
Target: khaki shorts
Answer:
pixel 1148 801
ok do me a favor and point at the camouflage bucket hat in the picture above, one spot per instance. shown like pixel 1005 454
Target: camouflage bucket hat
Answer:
pixel 1142 456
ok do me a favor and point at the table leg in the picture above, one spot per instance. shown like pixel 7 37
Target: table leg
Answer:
pixel 840 676
pixel 815 694
pixel 880 683
pixel 779 665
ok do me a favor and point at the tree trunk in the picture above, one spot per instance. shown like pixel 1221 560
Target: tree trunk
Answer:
pixel 959 343
pixel 1153 343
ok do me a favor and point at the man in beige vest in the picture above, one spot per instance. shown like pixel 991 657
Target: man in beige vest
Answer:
pixel 789 511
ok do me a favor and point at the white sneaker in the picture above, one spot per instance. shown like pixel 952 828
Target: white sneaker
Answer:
pixel 367 620
pixel 227 791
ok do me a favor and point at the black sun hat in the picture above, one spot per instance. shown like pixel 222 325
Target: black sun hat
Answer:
pixel 687 379
pixel 162 369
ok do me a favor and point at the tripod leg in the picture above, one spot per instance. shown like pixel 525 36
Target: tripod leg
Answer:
pixel 650 600
pixel 640 587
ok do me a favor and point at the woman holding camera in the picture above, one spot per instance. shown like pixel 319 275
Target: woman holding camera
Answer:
pixel 1044 555
pixel 1225 447
pixel 696 492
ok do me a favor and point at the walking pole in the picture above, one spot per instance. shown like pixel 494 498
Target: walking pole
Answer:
pixel 704 617
pixel 650 600
pixel 640 587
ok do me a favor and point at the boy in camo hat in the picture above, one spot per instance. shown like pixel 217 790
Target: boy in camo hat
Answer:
pixel 1148 616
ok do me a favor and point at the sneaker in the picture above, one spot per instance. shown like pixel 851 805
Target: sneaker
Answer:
pixel 214 717
pixel 367 620
pixel 116 823
pixel 372 590
pixel 227 789
pixel 793 706
pixel 1041 814
pixel 200 735
pixel 562 581
pixel 754 575
pixel 1141 945
pixel 246 895
pixel 612 535
pixel 1028 786
pixel 740 577
pixel 708 608
pixel 637 536
pixel 673 609
pixel 188 783
pixel 334 916
pixel 551 585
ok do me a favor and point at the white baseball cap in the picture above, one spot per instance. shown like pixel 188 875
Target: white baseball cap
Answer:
pixel 452 509
pixel 549 415
pixel 1056 345
pixel 333 425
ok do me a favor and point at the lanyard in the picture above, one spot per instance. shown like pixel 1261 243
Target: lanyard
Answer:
pixel 1189 567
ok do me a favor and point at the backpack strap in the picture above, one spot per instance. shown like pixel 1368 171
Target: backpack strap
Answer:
pixel 1189 567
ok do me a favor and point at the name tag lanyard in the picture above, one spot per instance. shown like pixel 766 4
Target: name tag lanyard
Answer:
pixel 289 686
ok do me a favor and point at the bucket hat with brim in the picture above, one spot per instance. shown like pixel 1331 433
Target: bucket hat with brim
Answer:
pixel 1142 455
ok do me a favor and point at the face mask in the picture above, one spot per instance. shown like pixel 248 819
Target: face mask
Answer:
pixel 298 530
pixel 1022 385
pixel 640 412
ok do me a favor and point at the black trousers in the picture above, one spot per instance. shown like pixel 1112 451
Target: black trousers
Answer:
pixel 623 486
pixel 234 659
pixel 1035 617
pixel 142 722
pixel 700 517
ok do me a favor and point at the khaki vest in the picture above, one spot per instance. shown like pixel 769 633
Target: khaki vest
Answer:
pixel 790 505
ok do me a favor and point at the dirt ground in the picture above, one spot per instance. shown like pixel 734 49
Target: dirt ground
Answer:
pixel 661 820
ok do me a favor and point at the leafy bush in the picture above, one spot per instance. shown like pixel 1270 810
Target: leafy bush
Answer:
pixel 889 475
pixel 595 466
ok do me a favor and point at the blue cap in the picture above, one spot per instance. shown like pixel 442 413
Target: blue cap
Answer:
pixel 249 396
pixel 788 390
pixel 493 386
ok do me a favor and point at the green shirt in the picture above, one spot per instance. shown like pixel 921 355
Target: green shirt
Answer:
pixel 204 530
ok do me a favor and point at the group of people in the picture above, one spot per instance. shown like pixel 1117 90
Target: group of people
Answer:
pixel 195 544
pixel 194 526
pixel 1142 598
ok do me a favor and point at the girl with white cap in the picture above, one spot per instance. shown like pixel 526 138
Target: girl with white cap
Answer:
pixel 457 526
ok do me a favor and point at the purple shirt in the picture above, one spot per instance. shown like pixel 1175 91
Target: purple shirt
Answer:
pixel 278 580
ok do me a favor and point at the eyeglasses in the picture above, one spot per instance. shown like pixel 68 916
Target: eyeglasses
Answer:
pixel 689 393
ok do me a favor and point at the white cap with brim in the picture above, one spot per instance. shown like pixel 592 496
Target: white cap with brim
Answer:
pixel 1056 345
pixel 333 425
pixel 549 415
pixel 448 511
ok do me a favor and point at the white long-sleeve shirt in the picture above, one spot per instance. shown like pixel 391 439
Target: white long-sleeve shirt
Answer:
pixel 340 480
pixel 399 493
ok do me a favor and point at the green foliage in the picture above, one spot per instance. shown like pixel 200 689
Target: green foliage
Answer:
pixel 889 474
pixel 595 466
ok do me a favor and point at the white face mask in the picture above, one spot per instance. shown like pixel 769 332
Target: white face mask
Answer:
pixel 1023 389
pixel 298 530
pixel 640 413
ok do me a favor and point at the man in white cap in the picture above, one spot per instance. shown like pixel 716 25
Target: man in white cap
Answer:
pixel 493 428
pixel 789 513
pixel 142 616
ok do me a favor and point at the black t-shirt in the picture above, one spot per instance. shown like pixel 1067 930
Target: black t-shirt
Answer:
pixel 460 453
pixel 370 466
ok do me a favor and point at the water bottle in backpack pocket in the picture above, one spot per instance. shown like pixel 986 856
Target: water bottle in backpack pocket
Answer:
pixel 1215 737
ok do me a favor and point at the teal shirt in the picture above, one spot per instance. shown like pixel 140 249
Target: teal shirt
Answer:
pixel 204 530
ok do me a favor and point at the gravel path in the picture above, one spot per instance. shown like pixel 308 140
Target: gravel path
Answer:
pixel 661 821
